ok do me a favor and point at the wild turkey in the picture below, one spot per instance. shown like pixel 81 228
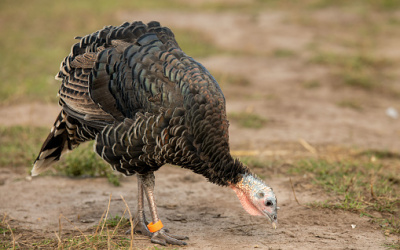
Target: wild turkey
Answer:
pixel 146 103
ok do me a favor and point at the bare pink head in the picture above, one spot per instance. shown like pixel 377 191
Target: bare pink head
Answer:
pixel 257 198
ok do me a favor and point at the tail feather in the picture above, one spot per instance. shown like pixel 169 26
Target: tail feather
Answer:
pixel 62 138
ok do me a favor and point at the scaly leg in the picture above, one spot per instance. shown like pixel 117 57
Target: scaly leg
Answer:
pixel 140 219
pixel 141 223
pixel 161 236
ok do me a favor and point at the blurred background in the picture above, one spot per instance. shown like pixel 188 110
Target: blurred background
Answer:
pixel 302 79
pixel 321 70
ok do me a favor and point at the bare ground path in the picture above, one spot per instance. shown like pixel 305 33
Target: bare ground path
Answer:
pixel 210 215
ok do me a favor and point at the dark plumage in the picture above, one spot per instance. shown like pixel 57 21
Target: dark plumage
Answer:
pixel 145 103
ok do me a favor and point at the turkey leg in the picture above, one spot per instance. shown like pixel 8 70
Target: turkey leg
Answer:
pixel 161 236
pixel 141 223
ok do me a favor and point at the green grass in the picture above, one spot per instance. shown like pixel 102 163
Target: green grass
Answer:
pixel 38 35
pixel 312 84
pixel 352 104
pixel 381 154
pixel 382 5
pixel 228 79
pixel 283 53
pixel 248 120
pixel 254 6
pixel 114 221
pixel 84 162
pixel 356 70
pixel 393 246
pixel 255 162
pixel 362 187
pixel 196 43
pixel 109 233
pixel 19 147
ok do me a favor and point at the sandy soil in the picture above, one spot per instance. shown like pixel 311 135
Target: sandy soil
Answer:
pixel 210 215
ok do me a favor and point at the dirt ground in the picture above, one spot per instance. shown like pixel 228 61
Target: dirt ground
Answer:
pixel 210 215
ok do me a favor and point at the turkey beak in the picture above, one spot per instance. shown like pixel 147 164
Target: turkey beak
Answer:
pixel 273 218
pixel 274 224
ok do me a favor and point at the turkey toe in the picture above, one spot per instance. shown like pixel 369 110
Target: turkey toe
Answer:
pixel 163 238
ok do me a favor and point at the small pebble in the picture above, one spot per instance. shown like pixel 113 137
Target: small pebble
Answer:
pixel 392 113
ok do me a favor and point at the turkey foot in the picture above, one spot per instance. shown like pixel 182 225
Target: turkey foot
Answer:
pixel 163 238
pixel 140 227
pixel 160 235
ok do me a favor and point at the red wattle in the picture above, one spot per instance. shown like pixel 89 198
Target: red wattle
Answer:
pixel 246 203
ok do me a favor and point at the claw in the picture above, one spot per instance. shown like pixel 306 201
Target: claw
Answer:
pixel 140 226
pixel 163 238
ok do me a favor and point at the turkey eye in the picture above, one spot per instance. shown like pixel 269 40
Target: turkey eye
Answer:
pixel 260 195
pixel 268 203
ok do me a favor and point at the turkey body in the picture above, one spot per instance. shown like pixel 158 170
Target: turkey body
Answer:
pixel 145 103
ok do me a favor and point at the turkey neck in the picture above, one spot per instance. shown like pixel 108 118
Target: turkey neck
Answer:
pixel 225 171
pixel 207 124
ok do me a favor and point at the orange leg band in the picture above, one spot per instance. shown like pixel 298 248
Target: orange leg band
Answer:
pixel 155 227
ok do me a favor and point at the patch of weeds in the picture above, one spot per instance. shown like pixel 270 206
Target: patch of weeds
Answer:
pixel 105 240
pixel 356 61
pixel 196 43
pixel 6 235
pixel 364 187
pixel 381 154
pixel 358 79
pixel 385 5
pixel 248 120
pixel 282 53
pixel 393 245
pixel 83 162
pixel 312 84
pixel 226 79
pixel 391 225
pixel 356 70
pixel 29 67
pixel 44 243
pixel 19 145
pixel 352 104
pixel 114 221
pixel 254 162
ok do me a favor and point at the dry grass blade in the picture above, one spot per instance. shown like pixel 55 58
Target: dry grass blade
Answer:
pixel 105 218
pixel 108 238
pixel 98 225
pixel 119 222
pixel 350 183
pixel 12 234
pixel 130 220
pixel 72 224
pixel 59 232
pixel 238 153
pixel 59 241
pixel 291 183
pixel 372 191
pixel 307 146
